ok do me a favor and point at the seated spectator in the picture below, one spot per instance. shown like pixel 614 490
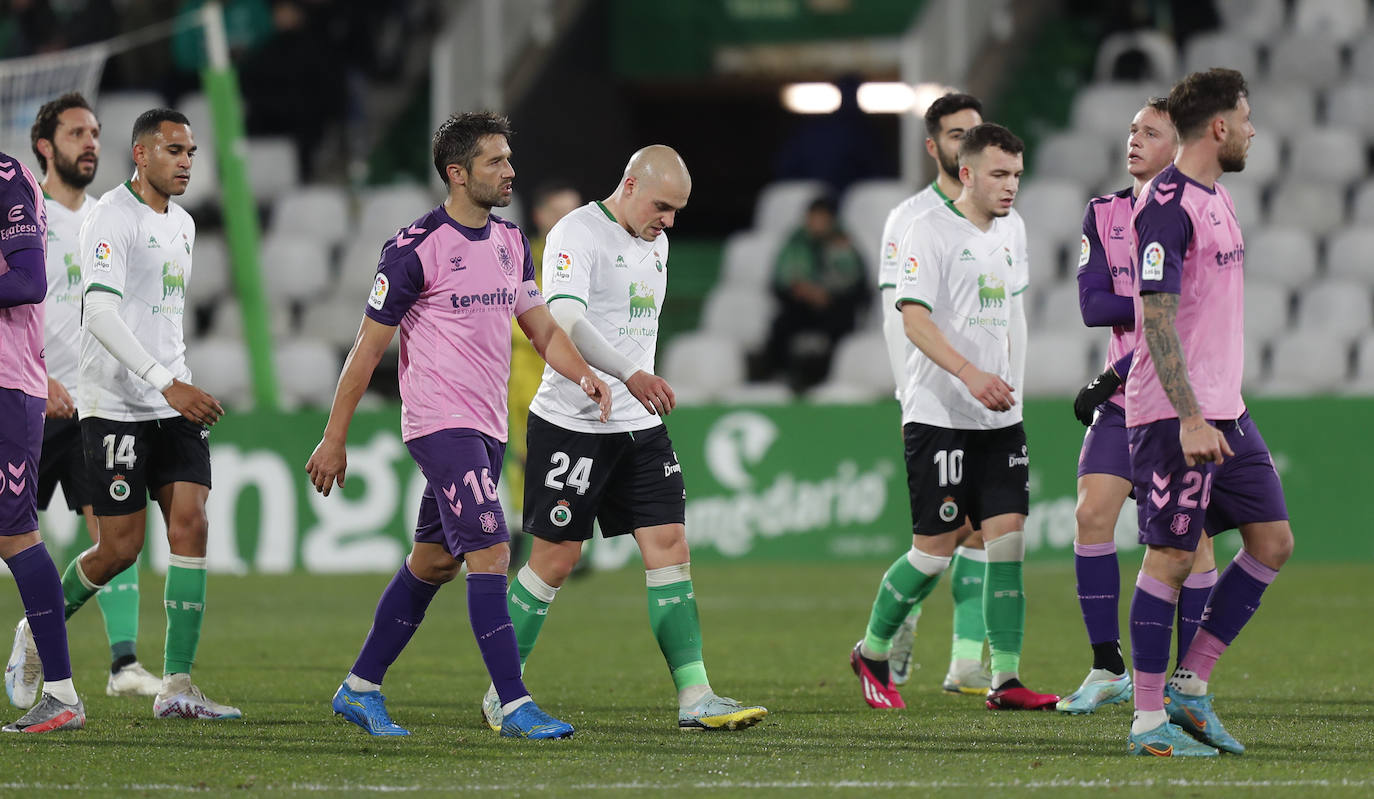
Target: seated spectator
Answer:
pixel 820 285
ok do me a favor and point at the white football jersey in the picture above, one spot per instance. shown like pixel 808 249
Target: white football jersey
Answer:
pixel 62 316
pixel 898 220
pixel 967 278
pixel 621 279
pixel 144 257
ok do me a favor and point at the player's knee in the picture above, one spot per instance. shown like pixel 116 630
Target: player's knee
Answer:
pixel 433 569
pixel 189 529
pixel 1273 550
pixel 122 551
pixel 1095 522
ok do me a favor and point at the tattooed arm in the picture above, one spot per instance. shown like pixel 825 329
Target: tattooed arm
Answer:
pixel 1201 442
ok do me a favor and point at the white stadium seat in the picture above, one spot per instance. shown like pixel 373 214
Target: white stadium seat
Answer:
pixel 1053 208
pixel 228 320
pixel 319 211
pixel 1266 309
pixel 1059 309
pixel 782 204
pixel 383 210
pixel 1221 49
pixel 749 257
pixel 863 212
pixel 1161 57
pixel 1255 372
pixel 1310 59
pixel 211 270
pixel 738 313
pixel 1082 157
pixel 1247 197
pixel 335 319
pixel 1341 20
pixel 1319 208
pixel 294 267
pixel 1263 160
pixel 1363 212
pixel 273 168
pixel 1306 363
pixel 1059 363
pixel 1256 20
pixel 307 372
pixel 1281 255
pixel 1351 106
pixel 1338 309
pixel 859 369
pixel 1363 383
pixel 1282 107
pixel 220 366
pixel 1362 59
pixel 1350 255
pixel 1107 108
pixel 1333 155
pixel 703 367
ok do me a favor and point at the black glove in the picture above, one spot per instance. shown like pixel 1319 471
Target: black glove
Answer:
pixel 1094 394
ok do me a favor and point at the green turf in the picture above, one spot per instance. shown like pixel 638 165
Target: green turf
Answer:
pixel 1295 689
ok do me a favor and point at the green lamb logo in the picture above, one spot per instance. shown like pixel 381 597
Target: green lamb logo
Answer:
pixel 173 280
pixel 992 293
pixel 642 301
pixel 73 270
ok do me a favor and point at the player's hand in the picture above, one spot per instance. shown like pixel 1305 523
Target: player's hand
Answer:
pixel 327 465
pixel 653 392
pixel 192 403
pixel 60 404
pixel 597 389
pixel 1094 394
pixel 1201 442
pixel 988 388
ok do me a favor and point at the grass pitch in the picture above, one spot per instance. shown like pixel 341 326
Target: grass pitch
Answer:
pixel 1295 689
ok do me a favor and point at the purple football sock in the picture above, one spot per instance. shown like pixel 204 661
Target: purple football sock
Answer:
pixel 40 589
pixel 1192 601
pixel 399 613
pixel 1234 600
pixel 1099 587
pixel 490 618
pixel 1152 620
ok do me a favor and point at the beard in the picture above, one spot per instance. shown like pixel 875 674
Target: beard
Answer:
pixel 489 196
pixel 1232 155
pixel 950 166
pixel 70 171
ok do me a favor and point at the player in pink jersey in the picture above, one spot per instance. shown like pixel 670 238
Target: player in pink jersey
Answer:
pixel 1198 462
pixel 452 281
pixel 23 393
pixel 1106 284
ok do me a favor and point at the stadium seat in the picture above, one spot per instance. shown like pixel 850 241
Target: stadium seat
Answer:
pixel 1333 155
pixel 782 204
pixel 1283 256
pixel 1046 259
pixel 748 259
pixel 1257 20
pixel 227 322
pixel 1263 160
pixel 1107 108
pixel 1082 157
pixel 1255 367
pixel 319 211
pixel 273 169
pixel 1310 59
pixel 211 270
pixel 359 260
pixel 1350 255
pixel 335 319
pixel 1362 59
pixel 703 366
pixel 294 267
pixel 1053 208
pixel 385 209
pixel 1341 20
pixel 859 370
pixel 1306 363
pixel 1363 382
pixel 1363 211
pixel 1059 363
pixel 864 209
pixel 1337 309
pixel 1157 50
pixel 1288 109
pixel 307 372
pixel 739 313
pixel 1266 309
pixel 1316 207
pixel 1235 50
pixel 1351 106
pixel 220 366
pixel 1059 308
pixel 1247 197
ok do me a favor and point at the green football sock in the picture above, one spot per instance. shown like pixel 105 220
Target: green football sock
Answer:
pixel 76 589
pixel 184 599
pixel 966 584
pixel 1004 602
pixel 118 601
pixel 528 601
pixel 676 625
pixel 904 586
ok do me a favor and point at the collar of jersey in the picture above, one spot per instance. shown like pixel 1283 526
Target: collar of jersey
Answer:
pixel 470 233
pixel 935 184
pixel 1187 179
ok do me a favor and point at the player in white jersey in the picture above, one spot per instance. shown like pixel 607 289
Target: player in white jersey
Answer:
pixel 605 274
pixel 946 121
pixel 144 426
pixel 66 140
pixel 962 277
